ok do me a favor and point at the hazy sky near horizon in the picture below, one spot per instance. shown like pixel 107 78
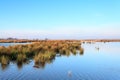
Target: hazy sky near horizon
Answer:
pixel 60 19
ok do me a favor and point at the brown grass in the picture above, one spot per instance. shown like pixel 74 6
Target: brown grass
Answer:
pixel 42 51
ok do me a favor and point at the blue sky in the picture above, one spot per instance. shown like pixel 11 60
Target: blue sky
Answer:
pixel 60 19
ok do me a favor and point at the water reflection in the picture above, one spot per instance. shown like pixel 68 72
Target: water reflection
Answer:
pixel 4 60
pixel 21 64
pixel 84 63
pixel 97 48
pixel 81 51
pixel 40 59
pixel 4 66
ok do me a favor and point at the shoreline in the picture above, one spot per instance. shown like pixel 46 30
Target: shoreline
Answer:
pixel 72 40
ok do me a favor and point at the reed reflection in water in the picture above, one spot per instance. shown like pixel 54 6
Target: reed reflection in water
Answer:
pixel 41 52
pixel 40 59
pixel 85 62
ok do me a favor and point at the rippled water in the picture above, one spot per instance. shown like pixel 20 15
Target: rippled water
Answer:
pixel 100 61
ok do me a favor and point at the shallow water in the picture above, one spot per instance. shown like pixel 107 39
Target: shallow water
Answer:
pixel 100 61
pixel 11 44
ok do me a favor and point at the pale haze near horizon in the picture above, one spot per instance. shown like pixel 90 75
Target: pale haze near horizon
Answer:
pixel 60 19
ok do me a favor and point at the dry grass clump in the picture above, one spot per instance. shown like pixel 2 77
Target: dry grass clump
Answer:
pixel 41 46
pixel 81 51
pixel 4 60
pixel 41 59
pixel 21 58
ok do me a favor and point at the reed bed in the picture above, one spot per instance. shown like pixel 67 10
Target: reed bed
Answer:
pixel 41 52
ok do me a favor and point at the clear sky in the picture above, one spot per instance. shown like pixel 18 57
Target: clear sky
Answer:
pixel 60 19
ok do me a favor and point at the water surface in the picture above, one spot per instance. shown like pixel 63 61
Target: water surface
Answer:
pixel 11 44
pixel 100 61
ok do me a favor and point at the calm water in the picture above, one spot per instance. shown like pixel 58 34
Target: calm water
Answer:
pixel 10 44
pixel 100 61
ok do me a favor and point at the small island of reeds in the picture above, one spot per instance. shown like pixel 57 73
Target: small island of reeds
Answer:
pixel 41 52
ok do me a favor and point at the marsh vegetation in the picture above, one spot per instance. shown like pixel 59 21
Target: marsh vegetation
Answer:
pixel 48 60
pixel 41 52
